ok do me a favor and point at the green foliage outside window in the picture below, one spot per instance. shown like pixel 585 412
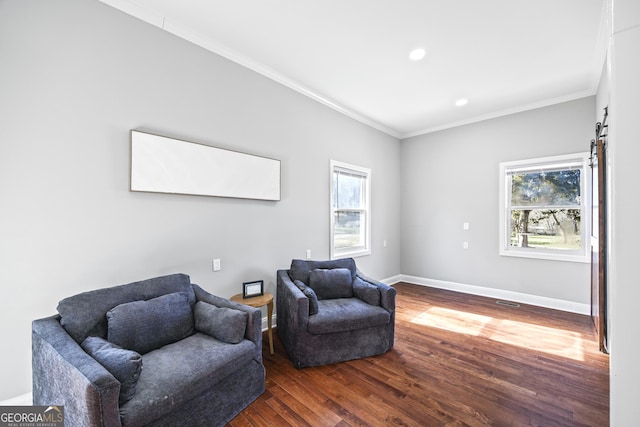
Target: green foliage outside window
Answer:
pixel 545 209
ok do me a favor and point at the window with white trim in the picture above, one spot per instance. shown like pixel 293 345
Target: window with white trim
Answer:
pixel 543 208
pixel 350 210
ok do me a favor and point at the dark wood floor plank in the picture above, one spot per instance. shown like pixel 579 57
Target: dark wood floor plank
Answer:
pixel 263 410
pixel 290 416
pixel 309 398
pixel 458 360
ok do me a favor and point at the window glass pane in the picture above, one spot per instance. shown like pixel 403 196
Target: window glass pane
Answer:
pixel 348 191
pixel 546 188
pixel 545 229
pixel 350 217
pixel 348 229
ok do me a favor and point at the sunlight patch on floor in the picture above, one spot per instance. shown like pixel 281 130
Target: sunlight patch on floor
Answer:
pixel 559 342
pixel 453 320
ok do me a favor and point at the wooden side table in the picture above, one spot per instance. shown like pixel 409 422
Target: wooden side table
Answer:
pixel 259 301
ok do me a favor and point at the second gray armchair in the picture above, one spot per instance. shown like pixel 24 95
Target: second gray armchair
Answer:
pixel 329 312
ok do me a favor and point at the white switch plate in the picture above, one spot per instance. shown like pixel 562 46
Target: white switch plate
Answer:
pixel 216 264
pixel 308 253
pixel 465 245
pixel 465 225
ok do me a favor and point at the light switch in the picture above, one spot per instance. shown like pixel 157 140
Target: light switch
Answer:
pixel 216 264
pixel 465 225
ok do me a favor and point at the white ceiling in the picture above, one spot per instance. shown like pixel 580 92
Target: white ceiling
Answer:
pixel 503 55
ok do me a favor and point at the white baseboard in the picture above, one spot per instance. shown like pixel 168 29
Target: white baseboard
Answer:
pixel 24 400
pixel 392 280
pixel 556 304
pixel 265 322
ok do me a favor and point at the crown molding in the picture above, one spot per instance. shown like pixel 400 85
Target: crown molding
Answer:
pixel 501 113
pixel 179 30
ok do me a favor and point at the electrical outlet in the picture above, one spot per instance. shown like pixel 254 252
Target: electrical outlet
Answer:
pixel 216 264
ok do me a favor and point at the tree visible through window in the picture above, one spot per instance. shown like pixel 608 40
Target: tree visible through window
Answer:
pixel 544 205
pixel 350 222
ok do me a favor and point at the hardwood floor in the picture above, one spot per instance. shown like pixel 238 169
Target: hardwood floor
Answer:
pixel 457 360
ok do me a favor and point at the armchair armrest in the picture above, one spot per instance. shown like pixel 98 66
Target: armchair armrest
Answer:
pixel 64 374
pixel 387 293
pixel 293 304
pixel 254 321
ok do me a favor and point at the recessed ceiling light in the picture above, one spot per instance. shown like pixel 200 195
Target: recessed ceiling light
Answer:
pixel 462 101
pixel 417 54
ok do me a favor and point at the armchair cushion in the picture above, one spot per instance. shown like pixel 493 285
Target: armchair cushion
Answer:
pixel 183 371
pixel 331 283
pixel 311 296
pixel 225 324
pixel 124 365
pixel 366 291
pixel 346 314
pixel 144 326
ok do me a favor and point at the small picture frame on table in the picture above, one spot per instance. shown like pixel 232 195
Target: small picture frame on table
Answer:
pixel 252 289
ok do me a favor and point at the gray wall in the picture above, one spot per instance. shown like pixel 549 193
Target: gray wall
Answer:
pixel 452 176
pixel 76 76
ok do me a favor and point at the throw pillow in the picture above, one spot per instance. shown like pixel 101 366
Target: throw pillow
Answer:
pixel 366 291
pixel 124 365
pixel 301 269
pixel 311 296
pixel 144 326
pixel 225 324
pixel 329 284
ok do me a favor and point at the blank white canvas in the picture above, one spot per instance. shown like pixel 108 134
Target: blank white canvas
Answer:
pixel 165 165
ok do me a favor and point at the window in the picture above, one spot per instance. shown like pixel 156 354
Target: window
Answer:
pixel 350 210
pixel 543 208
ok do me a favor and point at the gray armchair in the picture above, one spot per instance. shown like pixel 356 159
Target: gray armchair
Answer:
pixel 157 352
pixel 329 312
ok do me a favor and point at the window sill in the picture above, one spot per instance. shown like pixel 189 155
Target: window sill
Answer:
pixel 546 256
pixel 350 254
